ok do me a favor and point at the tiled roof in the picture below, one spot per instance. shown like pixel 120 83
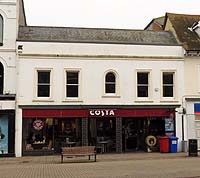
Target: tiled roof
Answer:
pixel 181 22
pixel 94 35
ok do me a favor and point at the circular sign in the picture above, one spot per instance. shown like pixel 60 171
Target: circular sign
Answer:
pixel 38 124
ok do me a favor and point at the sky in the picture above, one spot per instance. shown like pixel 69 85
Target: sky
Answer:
pixel 121 14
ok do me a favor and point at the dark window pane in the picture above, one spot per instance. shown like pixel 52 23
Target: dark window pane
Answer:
pixel 142 91
pixel 43 91
pixel 44 77
pixel 167 91
pixel 110 88
pixel 142 78
pixel 72 77
pixel 72 91
pixel 1 78
pixel 110 77
pixel 168 78
pixel 1 29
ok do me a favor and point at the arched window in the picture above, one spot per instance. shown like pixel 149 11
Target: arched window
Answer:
pixel 110 83
pixel 1 30
pixel 1 78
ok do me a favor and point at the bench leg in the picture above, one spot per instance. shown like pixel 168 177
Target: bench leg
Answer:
pixel 95 157
pixel 89 157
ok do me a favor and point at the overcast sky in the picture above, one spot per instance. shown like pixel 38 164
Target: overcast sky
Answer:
pixel 134 14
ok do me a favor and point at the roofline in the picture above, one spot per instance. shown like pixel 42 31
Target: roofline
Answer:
pixel 24 12
pixel 97 42
pixel 93 28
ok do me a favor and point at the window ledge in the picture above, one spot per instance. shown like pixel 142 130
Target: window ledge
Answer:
pixel 143 100
pixel 42 100
pixel 73 100
pixel 169 100
pixel 110 96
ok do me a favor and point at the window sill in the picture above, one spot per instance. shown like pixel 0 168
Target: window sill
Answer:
pixel 143 100
pixel 73 100
pixel 110 96
pixel 165 100
pixel 42 100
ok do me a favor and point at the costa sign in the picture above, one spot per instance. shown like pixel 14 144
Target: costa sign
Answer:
pixel 101 112
pixel 38 124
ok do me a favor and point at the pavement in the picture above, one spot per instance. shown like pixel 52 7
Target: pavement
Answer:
pixel 124 165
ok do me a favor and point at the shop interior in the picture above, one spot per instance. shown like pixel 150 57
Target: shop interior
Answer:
pixel 135 131
pixel 50 134
pixel 102 134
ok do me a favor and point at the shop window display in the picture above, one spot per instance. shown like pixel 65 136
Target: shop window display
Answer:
pixel 49 134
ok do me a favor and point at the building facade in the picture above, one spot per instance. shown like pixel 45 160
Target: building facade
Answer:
pixel 186 29
pixel 105 87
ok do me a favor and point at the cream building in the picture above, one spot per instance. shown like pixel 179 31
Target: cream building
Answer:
pixel 96 86
pixel 186 29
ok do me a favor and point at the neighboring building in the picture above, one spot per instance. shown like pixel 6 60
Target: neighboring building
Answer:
pixel 186 29
pixel 83 86
pixel 156 24
pixel 8 34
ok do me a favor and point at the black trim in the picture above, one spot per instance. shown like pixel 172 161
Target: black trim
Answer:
pixel 95 106
pixel 7 97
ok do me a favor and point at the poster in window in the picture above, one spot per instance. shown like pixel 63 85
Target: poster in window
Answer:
pixel 169 125
pixel 3 135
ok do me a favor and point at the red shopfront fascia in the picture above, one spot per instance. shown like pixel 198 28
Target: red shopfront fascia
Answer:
pixel 64 113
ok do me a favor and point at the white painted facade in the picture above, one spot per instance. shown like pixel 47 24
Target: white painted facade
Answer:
pixel 93 61
pixel 192 96
pixel 8 49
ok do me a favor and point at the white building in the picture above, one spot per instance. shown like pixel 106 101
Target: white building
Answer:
pixel 8 35
pixel 88 85
pixel 186 30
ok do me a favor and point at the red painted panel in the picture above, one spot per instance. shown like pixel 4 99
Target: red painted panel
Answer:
pixel 60 113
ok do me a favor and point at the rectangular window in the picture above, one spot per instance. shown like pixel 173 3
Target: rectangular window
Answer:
pixel 43 86
pixel 168 84
pixel 72 84
pixel 142 84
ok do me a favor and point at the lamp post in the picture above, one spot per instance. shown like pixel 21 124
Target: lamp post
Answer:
pixel 184 146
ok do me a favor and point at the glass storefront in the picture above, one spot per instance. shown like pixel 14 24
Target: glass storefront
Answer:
pixel 102 133
pixel 136 130
pixel 50 134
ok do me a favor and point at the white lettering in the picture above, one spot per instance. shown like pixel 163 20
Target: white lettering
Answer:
pixel 92 112
pixel 112 113
pixel 97 112
pixel 102 112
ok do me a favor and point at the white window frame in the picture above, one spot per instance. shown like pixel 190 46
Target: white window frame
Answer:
pixel 149 98
pixel 174 85
pixel 116 94
pixel 36 84
pixel 79 84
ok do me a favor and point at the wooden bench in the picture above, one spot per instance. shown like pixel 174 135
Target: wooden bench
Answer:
pixel 78 151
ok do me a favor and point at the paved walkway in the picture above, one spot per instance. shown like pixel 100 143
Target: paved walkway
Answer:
pixel 129 165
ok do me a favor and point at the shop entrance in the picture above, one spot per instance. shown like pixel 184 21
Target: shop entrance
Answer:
pixel 102 134
pixel 133 134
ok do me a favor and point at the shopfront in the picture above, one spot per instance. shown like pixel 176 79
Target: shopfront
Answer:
pixel 7 133
pixel 45 131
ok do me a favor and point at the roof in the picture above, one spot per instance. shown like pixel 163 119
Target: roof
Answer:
pixel 156 24
pixel 181 23
pixel 94 35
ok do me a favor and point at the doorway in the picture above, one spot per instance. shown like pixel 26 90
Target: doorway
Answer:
pixel 102 133
pixel 133 134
